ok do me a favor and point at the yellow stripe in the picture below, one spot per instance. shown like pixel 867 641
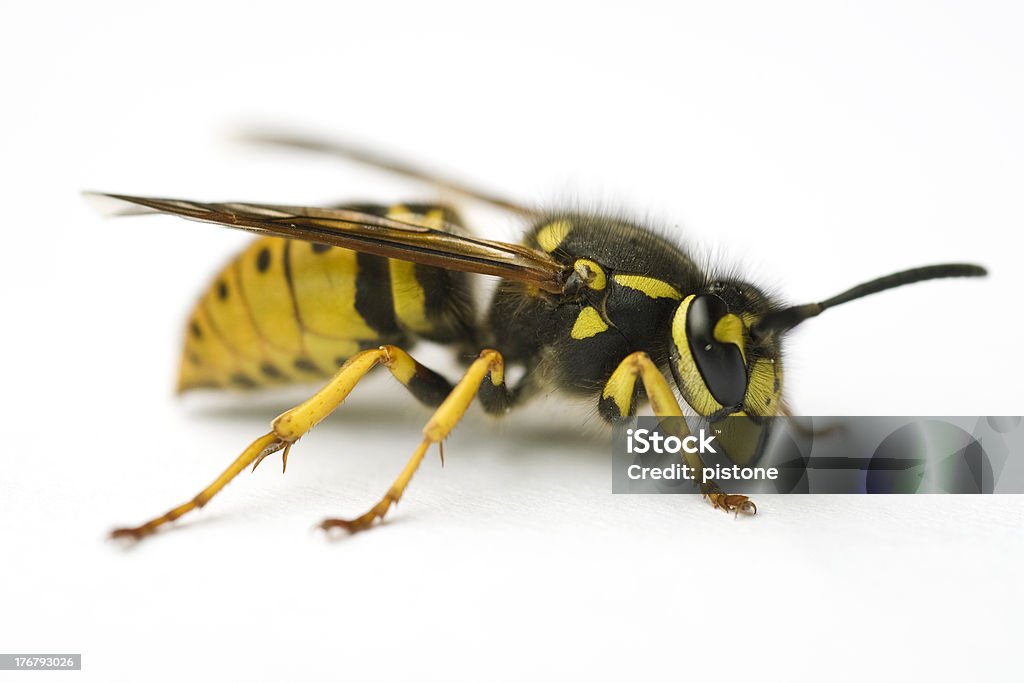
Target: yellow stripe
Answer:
pixel 328 353
pixel 407 293
pixel 553 234
pixel 679 326
pixel 649 286
pixel 588 323
pixel 408 296
pixel 267 295
pixel 216 363
pixel 228 314
pixel 325 292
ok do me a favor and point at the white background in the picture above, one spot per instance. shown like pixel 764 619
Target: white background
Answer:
pixel 812 144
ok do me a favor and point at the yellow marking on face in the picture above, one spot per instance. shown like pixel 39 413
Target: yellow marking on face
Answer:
pixel 764 388
pixel 649 286
pixel 690 381
pixel 729 330
pixel 588 324
pixel 679 324
pixel 591 273
pixel 553 234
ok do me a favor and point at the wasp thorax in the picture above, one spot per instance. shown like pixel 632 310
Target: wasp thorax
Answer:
pixel 708 356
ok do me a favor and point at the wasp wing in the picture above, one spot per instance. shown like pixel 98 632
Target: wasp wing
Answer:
pixel 353 152
pixel 364 232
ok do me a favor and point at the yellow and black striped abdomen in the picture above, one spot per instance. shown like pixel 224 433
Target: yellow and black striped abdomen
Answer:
pixel 285 311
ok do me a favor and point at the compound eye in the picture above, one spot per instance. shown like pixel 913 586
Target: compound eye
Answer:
pixel 714 337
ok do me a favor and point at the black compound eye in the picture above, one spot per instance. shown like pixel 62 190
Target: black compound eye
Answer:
pixel 720 364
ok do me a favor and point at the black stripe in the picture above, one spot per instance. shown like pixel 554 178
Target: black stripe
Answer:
pixel 434 283
pixel 286 258
pixel 373 294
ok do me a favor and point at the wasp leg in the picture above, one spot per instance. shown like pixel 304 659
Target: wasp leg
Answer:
pixel 489 365
pixel 619 400
pixel 425 384
pixel 266 444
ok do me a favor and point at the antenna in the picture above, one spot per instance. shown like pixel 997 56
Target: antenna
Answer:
pixel 788 318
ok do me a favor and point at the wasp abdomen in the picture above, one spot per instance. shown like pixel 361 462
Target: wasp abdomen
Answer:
pixel 286 311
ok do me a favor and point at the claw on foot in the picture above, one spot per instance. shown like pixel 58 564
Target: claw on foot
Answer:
pixel 364 521
pixel 129 533
pixel 732 502
pixel 350 525
pixel 270 450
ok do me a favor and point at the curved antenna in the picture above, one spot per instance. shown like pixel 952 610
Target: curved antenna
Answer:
pixel 375 159
pixel 788 318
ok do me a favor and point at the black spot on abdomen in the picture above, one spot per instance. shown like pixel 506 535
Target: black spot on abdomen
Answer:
pixel 263 260
pixel 271 371
pixel 306 365
pixel 243 381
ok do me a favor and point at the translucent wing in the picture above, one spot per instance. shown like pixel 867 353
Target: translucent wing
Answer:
pixel 353 152
pixel 364 232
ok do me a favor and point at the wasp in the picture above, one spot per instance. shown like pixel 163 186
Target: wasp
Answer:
pixel 591 305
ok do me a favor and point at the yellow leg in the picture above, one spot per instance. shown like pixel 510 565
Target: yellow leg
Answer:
pixel 291 425
pixel 620 389
pixel 443 421
pixel 258 449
